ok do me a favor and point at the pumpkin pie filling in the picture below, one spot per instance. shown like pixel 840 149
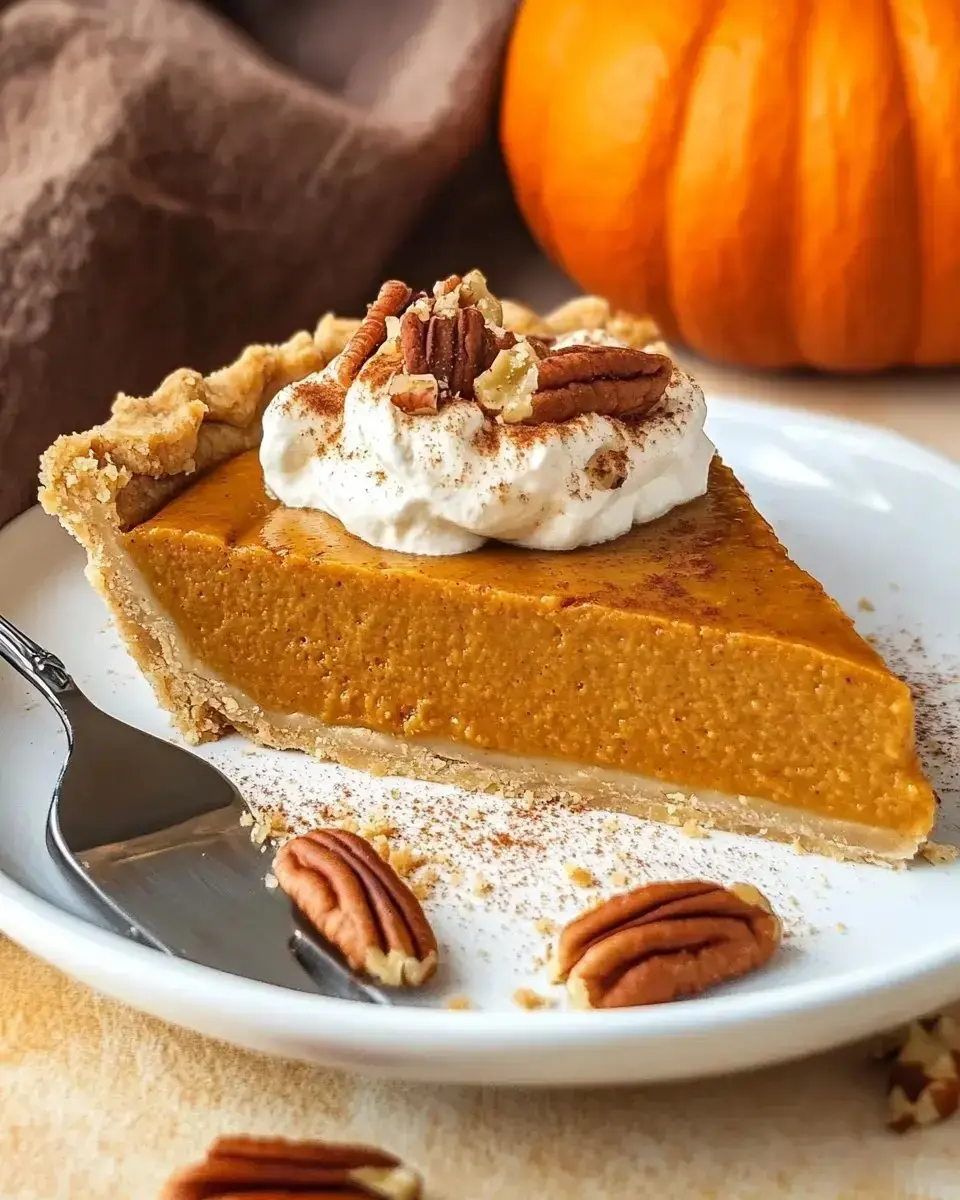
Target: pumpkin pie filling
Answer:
pixel 685 669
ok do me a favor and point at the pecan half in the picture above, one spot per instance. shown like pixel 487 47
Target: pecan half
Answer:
pixel 452 348
pixel 663 941
pixel 468 351
pixel 392 299
pixel 272 1167
pixel 359 903
pixel 413 343
pixel 440 346
pixel 614 381
pixel 925 1074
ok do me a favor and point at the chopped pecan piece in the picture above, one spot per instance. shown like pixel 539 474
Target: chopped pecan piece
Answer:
pixel 614 381
pixel 607 470
pixel 444 287
pixel 495 340
pixel 474 290
pixel 925 1074
pixel 272 1167
pixel 508 386
pixel 663 941
pixel 541 345
pixel 359 903
pixel 415 394
pixel 392 299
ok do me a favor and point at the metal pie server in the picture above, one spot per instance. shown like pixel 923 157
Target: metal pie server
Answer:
pixel 154 832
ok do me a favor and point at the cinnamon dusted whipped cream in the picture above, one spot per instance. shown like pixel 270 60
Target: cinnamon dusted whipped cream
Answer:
pixel 406 465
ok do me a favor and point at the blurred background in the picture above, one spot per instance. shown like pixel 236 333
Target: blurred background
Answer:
pixel 777 184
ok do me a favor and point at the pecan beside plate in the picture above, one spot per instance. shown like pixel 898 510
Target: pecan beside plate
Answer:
pixel 272 1167
pixel 925 1074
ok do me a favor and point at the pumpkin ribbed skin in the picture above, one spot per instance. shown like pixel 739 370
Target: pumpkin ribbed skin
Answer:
pixel 777 184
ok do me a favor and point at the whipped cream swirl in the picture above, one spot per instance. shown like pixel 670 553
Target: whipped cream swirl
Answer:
pixel 445 482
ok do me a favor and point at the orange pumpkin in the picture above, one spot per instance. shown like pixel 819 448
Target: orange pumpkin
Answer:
pixel 778 183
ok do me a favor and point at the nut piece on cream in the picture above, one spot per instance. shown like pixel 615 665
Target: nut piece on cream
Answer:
pixel 415 394
pixel 474 287
pixel 507 387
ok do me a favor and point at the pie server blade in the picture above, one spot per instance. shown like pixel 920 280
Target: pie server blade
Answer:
pixel 154 833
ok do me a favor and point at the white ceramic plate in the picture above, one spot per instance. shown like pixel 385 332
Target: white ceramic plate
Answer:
pixel 876 518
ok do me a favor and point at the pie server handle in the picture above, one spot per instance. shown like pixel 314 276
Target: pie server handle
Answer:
pixel 38 666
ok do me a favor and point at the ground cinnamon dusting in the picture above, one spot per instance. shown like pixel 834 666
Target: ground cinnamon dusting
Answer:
pixel 322 396
pixel 934 682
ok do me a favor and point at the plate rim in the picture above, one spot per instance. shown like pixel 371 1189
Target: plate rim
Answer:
pixel 40 925
pixel 726 1011
pixel 739 407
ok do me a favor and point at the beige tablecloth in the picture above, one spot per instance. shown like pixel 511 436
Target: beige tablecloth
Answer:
pixel 99 1101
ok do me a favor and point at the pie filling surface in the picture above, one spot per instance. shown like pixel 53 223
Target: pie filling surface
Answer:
pixel 691 650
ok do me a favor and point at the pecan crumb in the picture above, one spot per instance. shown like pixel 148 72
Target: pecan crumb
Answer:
pixel 938 853
pixel 404 860
pixel 269 825
pixel 425 883
pixel 378 823
pixel 692 828
pixel 531 1000
pixel 458 1003
pixel 579 876
pixel 924 1084
pixel 415 395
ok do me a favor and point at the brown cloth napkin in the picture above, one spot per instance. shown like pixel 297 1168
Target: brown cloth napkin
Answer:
pixel 170 190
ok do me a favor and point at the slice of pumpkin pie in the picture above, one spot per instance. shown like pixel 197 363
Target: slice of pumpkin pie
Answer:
pixel 461 542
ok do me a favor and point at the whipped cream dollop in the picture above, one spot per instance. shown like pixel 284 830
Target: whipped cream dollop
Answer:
pixel 445 482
